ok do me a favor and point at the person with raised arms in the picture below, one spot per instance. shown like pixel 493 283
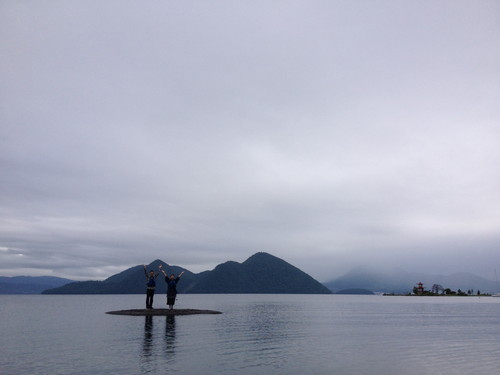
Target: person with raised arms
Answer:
pixel 171 288
pixel 151 286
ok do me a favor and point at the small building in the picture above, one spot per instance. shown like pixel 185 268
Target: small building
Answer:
pixel 420 289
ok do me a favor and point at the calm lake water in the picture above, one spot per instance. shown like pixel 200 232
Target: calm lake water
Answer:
pixel 256 334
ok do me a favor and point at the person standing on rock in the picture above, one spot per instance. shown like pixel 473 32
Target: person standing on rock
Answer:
pixel 171 288
pixel 150 285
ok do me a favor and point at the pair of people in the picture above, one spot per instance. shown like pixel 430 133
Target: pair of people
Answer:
pixel 151 286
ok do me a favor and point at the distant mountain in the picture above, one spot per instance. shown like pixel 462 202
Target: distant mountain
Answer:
pixel 130 281
pixel 356 291
pixel 30 284
pixel 403 282
pixel 261 273
pixel 361 278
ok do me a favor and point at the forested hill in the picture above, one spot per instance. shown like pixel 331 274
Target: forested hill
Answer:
pixel 261 273
pixel 130 281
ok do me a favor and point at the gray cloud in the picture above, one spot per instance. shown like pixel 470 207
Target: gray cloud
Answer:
pixel 329 134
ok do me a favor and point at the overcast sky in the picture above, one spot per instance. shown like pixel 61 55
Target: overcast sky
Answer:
pixel 332 134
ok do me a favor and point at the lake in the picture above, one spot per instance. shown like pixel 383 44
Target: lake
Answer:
pixel 256 334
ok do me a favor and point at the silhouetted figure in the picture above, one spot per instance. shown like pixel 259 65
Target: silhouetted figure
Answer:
pixel 150 285
pixel 171 288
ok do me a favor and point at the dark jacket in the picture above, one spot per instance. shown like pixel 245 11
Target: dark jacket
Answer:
pixel 151 283
pixel 172 285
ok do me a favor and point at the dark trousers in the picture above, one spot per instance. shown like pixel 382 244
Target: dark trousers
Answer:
pixel 149 298
pixel 171 299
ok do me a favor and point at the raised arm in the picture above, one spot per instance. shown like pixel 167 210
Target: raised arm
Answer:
pixel 160 267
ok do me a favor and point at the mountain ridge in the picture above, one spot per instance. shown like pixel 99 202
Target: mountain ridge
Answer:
pixel 260 273
pixel 30 284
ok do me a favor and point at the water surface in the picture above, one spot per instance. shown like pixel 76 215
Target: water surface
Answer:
pixel 256 334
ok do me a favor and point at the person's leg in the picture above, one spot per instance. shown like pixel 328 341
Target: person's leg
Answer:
pixel 149 299
pixel 170 302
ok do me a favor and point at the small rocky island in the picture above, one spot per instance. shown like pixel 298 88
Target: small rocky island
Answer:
pixel 162 312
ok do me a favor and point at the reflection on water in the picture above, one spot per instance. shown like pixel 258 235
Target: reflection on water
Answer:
pixel 147 344
pixel 153 351
pixel 170 336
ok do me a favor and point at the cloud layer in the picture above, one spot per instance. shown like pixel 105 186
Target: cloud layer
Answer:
pixel 331 134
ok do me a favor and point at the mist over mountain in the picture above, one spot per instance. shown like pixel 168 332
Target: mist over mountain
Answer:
pixel 400 281
pixel 261 273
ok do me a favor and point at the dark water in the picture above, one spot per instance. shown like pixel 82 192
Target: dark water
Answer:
pixel 256 334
